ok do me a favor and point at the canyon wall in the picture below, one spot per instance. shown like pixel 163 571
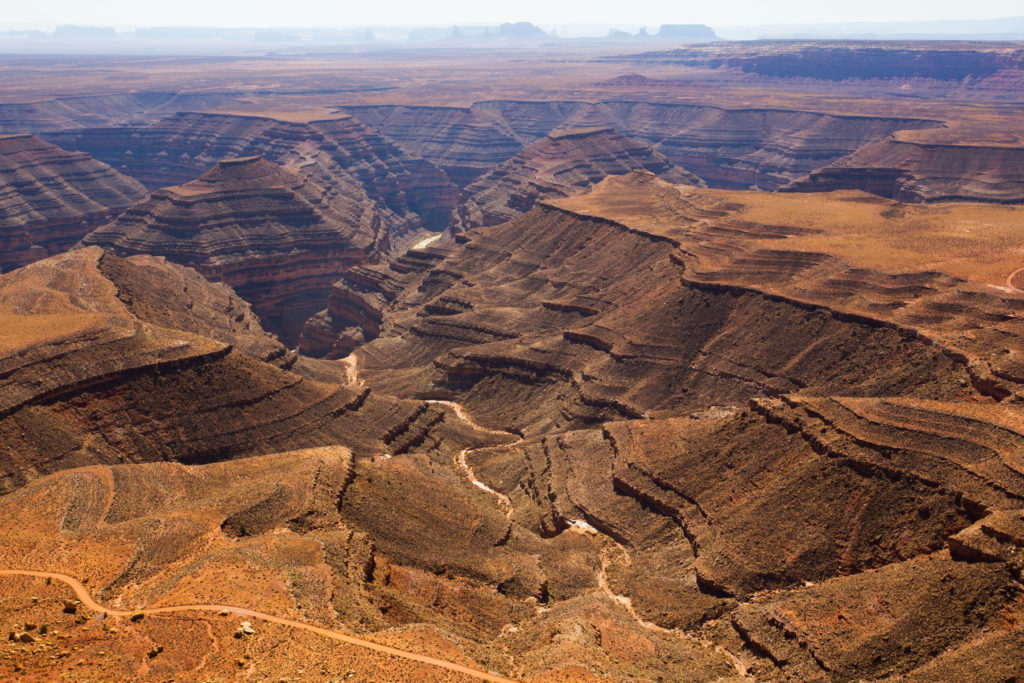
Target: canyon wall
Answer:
pixel 925 172
pixel 562 163
pixel 186 145
pixel 278 239
pixel 736 148
pixel 50 198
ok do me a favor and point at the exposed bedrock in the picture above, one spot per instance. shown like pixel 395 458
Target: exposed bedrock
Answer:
pixel 542 320
pixel 952 64
pixel 356 304
pixel 87 111
pixel 966 71
pixel 97 370
pixel 735 148
pixel 409 191
pixel 923 172
pixel 279 240
pixel 560 164
pixel 759 439
pixel 50 198
pixel 456 140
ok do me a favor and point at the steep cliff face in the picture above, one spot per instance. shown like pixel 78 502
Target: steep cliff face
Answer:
pixel 407 185
pixel 546 309
pixel 732 148
pixel 763 148
pixel 562 163
pixel 50 198
pixel 410 191
pixel 277 239
pixel 462 143
pixel 878 62
pixel 925 172
pixel 358 300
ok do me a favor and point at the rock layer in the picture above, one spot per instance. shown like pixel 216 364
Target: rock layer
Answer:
pixel 732 148
pixel 94 371
pixel 925 172
pixel 409 191
pixel 719 433
pixel 50 198
pixel 278 240
pixel 765 432
pixel 562 163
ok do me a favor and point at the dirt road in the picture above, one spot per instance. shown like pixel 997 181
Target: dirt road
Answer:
pixel 83 594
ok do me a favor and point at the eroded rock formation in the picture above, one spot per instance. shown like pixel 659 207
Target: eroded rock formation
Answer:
pixel 96 370
pixel 925 172
pixel 743 407
pixel 562 163
pixel 277 239
pixel 725 147
pixel 50 198
pixel 411 192
pixel 648 430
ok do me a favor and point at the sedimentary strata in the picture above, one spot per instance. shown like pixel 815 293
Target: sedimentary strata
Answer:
pixel 278 239
pixel 562 163
pixel 50 198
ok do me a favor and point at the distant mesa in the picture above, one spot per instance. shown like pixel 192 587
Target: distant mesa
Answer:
pixel 521 30
pixel 633 80
pixel 71 32
pixel 687 32
pixel 994 65
pixel 911 171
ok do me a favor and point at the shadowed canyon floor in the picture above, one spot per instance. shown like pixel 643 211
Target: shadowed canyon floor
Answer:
pixel 568 366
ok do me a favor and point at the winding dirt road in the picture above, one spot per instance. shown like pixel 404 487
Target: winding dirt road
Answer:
pixel 83 594
pixel 583 527
pixel 1009 281
pixel 460 459
pixel 627 603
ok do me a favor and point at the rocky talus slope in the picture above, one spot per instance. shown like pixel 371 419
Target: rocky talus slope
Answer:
pixel 50 198
pixel 279 240
pixel 109 361
pixel 564 162
pixel 778 440
pixel 160 446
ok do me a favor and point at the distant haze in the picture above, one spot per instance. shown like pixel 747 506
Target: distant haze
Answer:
pixel 311 13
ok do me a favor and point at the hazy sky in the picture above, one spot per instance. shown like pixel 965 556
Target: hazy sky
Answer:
pixel 249 13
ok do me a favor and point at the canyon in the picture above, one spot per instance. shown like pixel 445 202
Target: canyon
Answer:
pixel 561 164
pixel 703 364
pixel 279 240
